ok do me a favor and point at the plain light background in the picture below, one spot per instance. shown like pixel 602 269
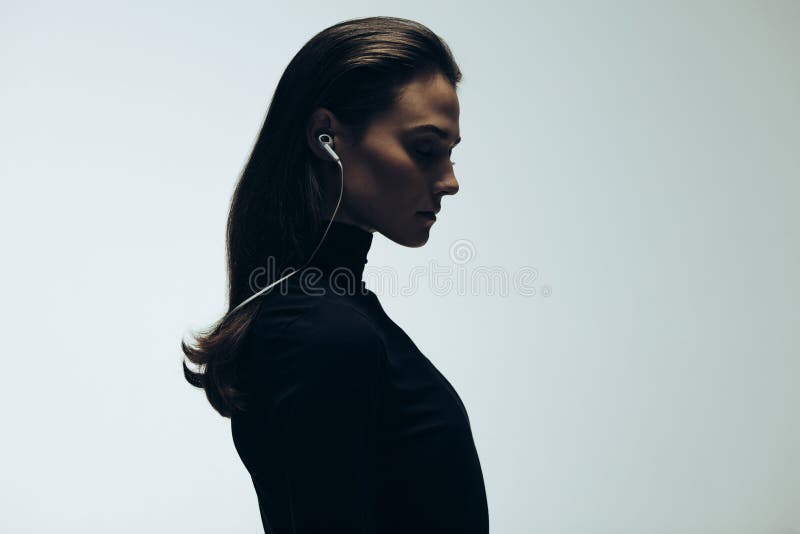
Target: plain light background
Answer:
pixel 641 158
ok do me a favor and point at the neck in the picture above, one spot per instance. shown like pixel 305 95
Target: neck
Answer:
pixel 342 255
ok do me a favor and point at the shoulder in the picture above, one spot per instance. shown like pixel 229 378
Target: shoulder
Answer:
pixel 334 340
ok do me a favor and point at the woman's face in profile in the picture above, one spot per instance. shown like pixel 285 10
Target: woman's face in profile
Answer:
pixel 402 166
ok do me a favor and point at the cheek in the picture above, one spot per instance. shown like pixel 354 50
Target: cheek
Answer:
pixel 393 178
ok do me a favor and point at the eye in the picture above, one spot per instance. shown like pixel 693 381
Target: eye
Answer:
pixel 425 153
pixel 424 150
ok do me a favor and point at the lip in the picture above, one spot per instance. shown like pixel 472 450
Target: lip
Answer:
pixel 427 214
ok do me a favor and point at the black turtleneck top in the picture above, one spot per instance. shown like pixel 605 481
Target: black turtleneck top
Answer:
pixel 350 428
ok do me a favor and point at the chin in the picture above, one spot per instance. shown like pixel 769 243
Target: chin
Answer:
pixel 410 236
pixel 419 242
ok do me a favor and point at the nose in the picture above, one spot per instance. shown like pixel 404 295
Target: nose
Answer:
pixel 448 185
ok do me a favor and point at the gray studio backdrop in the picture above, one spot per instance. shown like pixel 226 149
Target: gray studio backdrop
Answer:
pixel 625 331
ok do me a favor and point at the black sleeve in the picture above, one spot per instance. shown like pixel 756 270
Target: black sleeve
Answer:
pixel 329 436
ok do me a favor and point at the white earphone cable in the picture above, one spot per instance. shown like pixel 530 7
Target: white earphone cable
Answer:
pixel 327 147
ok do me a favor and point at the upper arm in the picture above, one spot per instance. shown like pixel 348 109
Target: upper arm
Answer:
pixel 331 419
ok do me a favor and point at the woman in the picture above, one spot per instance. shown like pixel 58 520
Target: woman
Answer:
pixel 342 423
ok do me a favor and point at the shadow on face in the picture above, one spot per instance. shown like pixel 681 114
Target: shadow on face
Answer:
pixel 402 166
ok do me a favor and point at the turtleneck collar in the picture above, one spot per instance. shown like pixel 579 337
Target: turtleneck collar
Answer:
pixel 344 249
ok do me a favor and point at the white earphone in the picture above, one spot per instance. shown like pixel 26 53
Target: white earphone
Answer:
pixel 325 140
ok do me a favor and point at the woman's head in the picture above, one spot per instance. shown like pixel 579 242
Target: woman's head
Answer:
pixel 364 81
pixel 401 164
pixel 367 82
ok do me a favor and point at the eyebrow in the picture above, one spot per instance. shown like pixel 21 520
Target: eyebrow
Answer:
pixel 444 134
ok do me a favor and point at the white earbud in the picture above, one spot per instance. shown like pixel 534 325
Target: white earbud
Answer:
pixel 325 141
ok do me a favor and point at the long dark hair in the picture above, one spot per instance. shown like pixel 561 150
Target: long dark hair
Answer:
pixel 356 69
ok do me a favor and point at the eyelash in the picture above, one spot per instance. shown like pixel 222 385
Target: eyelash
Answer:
pixel 427 155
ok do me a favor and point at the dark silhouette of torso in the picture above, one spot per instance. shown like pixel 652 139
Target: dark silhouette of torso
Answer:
pixel 350 428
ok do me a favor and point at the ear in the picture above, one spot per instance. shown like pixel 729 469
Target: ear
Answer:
pixel 323 121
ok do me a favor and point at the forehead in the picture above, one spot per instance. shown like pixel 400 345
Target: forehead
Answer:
pixel 429 100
